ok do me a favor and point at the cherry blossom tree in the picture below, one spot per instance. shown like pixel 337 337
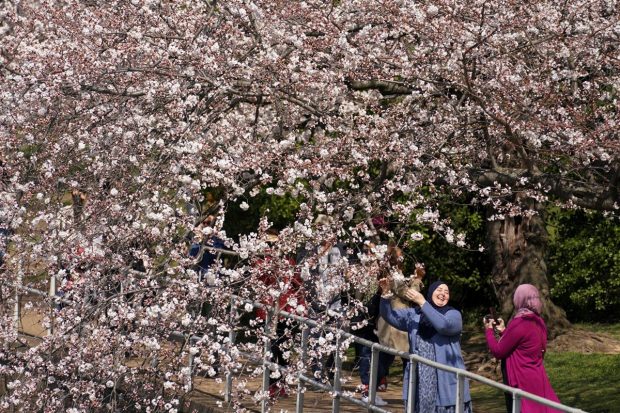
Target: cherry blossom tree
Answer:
pixel 117 117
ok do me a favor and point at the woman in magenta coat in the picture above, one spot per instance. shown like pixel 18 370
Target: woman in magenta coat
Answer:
pixel 522 345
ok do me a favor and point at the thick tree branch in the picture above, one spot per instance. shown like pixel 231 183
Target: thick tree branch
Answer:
pixel 587 195
pixel 386 87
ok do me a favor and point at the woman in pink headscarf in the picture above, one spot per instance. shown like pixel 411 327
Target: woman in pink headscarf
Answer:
pixel 522 345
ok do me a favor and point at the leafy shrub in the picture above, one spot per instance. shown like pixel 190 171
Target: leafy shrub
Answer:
pixel 584 264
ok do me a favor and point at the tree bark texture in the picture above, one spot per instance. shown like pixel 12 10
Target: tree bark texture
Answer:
pixel 517 247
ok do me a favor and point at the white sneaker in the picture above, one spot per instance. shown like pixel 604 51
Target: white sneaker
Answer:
pixel 378 400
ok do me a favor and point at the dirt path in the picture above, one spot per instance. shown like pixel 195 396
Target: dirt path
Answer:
pixel 579 340
pixel 209 394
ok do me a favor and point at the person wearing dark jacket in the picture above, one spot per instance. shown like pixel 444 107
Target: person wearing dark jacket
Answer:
pixel 363 353
pixel 202 251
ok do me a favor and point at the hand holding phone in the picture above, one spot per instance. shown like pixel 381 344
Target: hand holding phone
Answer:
pixel 492 321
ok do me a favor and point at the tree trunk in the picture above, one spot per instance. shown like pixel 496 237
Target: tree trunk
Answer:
pixel 517 247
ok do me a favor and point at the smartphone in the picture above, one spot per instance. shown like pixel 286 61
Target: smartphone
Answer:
pixel 491 316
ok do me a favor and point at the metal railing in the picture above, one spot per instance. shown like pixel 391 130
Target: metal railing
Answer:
pixel 336 390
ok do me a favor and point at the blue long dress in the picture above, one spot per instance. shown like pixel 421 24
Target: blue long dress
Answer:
pixel 443 347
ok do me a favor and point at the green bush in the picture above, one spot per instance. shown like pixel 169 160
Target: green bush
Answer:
pixel 584 264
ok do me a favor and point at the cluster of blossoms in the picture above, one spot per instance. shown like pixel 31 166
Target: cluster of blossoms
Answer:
pixel 116 120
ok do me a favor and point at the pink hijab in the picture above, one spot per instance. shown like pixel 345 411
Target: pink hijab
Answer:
pixel 527 300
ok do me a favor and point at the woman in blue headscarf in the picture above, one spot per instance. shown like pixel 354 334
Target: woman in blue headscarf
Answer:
pixel 434 330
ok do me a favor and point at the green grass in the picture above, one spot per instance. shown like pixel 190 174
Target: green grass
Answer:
pixel 486 399
pixel 590 382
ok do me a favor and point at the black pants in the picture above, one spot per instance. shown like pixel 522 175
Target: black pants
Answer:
pixel 507 396
pixel 276 349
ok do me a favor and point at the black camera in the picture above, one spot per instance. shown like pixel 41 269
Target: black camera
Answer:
pixel 490 317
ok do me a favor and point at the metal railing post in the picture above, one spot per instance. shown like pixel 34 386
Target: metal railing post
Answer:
pixel 266 359
pixel 190 363
pixel 460 393
pixel 52 294
pixel 337 386
pixel 17 307
pixel 372 384
pixel 305 334
pixel 516 403
pixel 413 371
pixel 231 343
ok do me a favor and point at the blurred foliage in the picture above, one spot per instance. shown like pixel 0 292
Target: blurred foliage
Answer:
pixel 279 210
pixel 29 150
pixel 465 269
pixel 584 264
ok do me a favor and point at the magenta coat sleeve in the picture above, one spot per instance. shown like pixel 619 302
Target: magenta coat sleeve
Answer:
pixel 508 343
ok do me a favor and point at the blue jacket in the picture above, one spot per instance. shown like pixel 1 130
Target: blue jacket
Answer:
pixel 447 343
pixel 207 259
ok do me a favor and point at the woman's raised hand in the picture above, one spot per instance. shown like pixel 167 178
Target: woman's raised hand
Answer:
pixel 415 296
pixel 496 324
pixel 384 285
pixel 499 325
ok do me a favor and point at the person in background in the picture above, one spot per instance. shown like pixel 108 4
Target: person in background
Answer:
pixel 5 234
pixel 388 335
pixel 368 321
pixel 280 274
pixel 206 260
pixel 323 268
pixel 434 330
pixel 201 251
pixel 522 347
